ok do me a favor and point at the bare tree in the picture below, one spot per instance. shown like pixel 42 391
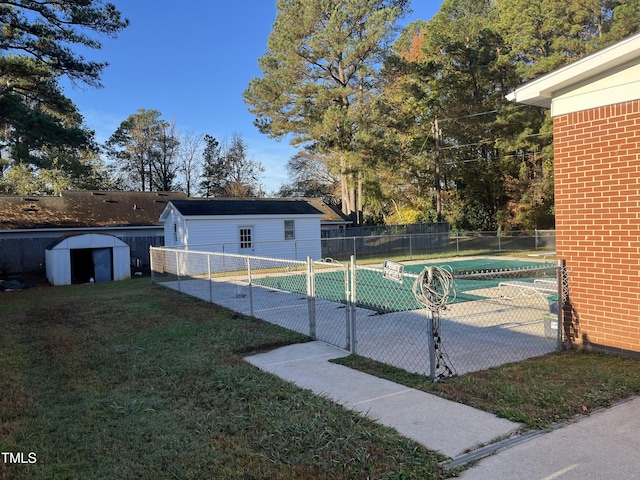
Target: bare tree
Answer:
pixel 190 158
pixel 311 176
pixel 165 165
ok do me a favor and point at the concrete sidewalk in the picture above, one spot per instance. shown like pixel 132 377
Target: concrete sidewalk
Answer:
pixel 604 445
pixel 448 427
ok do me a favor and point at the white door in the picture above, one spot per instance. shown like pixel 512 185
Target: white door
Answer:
pixel 103 264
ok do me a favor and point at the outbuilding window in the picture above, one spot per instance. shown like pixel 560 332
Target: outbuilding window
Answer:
pixel 289 230
pixel 245 238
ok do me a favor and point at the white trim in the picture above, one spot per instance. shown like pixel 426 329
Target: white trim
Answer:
pixel 251 241
pixel 542 91
pixel 292 230
pixel 619 87
pixel 257 216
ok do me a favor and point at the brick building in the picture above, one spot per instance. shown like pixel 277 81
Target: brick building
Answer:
pixel 595 105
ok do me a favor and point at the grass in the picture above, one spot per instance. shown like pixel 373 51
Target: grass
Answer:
pixel 130 380
pixel 538 392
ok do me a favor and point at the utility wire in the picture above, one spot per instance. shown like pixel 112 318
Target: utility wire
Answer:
pixel 472 115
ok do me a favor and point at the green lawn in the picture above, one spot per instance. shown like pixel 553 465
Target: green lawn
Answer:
pixel 538 392
pixel 129 380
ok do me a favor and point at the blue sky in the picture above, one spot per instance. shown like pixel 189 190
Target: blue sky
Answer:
pixel 192 65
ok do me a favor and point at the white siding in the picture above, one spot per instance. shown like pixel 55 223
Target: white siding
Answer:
pixel 222 233
pixel 58 259
pixel 172 220
pixel 617 87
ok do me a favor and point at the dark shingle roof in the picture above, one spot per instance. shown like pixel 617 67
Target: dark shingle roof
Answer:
pixel 84 209
pixel 245 206
pixel 331 214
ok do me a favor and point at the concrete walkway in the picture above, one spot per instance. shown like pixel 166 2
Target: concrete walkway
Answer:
pixel 417 415
pixel 604 445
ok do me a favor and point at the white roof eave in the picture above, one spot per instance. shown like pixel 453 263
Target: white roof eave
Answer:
pixel 540 92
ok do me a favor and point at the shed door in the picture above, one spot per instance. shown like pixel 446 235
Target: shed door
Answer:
pixel 102 264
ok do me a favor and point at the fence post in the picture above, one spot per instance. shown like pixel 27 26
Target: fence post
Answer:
pixel 355 254
pixel 250 286
pixel 347 296
pixel 560 275
pixel 410 248
pixel 499 244
pixel 224 261
pixel 151 266
pixel 210 281
pixel 178 270
pixel 432 345
pixel 311 297
pixel 352 306
pixel 536 236
pixel 457 242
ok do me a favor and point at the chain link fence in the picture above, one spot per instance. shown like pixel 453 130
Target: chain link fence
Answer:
pixel 414 245
pixel 491 317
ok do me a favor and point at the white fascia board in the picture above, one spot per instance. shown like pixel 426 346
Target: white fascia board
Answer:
pixel 166 211
pixel 245 218
pixel 542 91
pixel 616 87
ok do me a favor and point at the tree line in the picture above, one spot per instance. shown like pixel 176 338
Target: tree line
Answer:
pixel 416 127
pixel 46 148
pixel 393 125
pixel 149 153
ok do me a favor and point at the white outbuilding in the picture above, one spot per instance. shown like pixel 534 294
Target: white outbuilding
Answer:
pixel 277 228
pixel 86 258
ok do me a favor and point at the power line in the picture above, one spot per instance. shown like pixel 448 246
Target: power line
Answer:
pixel 488 142
pixel 472 115
pixel 500 157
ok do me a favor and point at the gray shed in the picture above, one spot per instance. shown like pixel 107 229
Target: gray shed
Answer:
pixel 81 258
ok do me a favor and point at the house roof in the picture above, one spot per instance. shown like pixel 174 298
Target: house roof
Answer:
pixel 84 209
pixel 603 63
pixel 331 214
pixel 244 206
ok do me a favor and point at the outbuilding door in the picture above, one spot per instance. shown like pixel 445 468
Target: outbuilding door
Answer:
pixel 88 263
pixel 102 264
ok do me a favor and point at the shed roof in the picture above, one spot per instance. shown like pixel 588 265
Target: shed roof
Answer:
pixel 98 240
pixel 244 206
pixel 84 209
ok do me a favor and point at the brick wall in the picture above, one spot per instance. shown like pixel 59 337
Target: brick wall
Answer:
pixel 597 197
